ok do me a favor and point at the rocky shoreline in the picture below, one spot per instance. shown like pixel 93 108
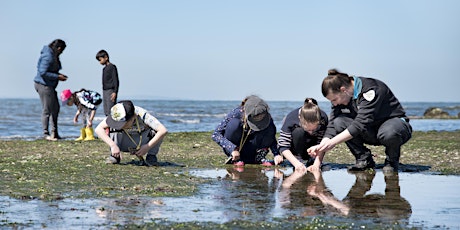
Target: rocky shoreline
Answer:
pixel 436 113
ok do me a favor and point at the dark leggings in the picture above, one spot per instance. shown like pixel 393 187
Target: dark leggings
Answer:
pixel 301 141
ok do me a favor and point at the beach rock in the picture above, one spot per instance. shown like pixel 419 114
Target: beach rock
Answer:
pixel 434 112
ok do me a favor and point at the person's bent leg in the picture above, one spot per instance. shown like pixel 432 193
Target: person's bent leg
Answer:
pixel 356 145
pixel 233 132
pixel 300 144
pixel 392 134
pixel 151 158
pixel 123 142
pixel 260 144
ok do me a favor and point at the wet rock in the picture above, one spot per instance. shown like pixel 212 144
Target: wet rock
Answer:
pixel 434 112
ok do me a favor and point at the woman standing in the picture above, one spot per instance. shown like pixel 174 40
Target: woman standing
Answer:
pixel 46 81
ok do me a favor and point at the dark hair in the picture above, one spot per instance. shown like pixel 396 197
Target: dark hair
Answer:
pixel 102 54
pixel 75 99
pixel 54 45
pixel 310 111
pixel 333 82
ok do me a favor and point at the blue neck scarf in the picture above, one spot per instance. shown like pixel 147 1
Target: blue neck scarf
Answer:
pixel 357 88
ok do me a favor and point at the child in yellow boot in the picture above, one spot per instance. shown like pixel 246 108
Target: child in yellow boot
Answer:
pixel 86 102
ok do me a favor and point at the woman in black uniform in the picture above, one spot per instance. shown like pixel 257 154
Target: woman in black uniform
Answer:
pixel 364 111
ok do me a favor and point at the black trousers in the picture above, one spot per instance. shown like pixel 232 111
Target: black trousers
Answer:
pixel 392 134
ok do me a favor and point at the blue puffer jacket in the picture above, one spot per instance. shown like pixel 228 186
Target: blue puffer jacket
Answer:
pixel 47 68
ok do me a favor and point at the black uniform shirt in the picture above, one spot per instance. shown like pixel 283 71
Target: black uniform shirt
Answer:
pixel 373 103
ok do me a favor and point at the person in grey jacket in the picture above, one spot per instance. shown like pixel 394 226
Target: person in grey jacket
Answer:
pixel 45 83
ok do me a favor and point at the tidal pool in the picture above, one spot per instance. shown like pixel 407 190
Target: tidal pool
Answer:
pixel 412 200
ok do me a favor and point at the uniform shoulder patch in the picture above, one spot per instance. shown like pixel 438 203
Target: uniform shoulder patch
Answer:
pixel 369 95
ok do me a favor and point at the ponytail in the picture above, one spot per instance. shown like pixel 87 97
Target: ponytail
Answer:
pixel 310 111
pixel 333 82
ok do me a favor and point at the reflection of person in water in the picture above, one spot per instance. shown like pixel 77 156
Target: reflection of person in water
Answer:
pixel 249 190
pixel 293 193
pixel 387 207
pixel 253 178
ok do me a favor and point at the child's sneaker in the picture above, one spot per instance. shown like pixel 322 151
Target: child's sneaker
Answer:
pixel 239 163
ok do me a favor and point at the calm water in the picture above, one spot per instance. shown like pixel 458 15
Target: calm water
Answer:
pixel 20 118
pixel 412 200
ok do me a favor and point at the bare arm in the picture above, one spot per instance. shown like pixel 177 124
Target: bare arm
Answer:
pixel 100 131
pixel 299 166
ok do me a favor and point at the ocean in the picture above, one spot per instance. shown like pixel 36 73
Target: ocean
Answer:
pixel 20 118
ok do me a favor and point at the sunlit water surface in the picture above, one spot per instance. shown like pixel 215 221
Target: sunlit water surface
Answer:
pixel 257 194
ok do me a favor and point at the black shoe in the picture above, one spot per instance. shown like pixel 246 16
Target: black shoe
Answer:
pixel 151 160
pixel 362 165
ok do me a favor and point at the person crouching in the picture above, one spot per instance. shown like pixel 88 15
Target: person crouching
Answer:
pixel 131 129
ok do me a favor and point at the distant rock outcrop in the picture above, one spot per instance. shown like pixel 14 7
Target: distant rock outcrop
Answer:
pixel 438 113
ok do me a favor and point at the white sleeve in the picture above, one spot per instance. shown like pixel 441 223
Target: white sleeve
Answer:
pixel 148 118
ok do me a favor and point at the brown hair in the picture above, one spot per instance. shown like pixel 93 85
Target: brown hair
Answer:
pixel 333 82
pixel 310 111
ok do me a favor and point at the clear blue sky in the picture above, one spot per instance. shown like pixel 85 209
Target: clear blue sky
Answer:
pixel 225 50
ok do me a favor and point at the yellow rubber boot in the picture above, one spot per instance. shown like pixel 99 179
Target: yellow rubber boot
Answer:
pixel 82 135
pixel 89 134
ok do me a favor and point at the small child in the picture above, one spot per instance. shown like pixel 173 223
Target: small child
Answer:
pixel 86 102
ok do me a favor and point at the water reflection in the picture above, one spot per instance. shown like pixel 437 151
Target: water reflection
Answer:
pixel 309 192
pixel 387 207
pixel 261 194
pixel 281 193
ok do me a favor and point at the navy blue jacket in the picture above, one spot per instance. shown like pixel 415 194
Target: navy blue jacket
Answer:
pixel 292 121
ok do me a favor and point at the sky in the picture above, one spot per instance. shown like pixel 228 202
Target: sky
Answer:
pixel 226 50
